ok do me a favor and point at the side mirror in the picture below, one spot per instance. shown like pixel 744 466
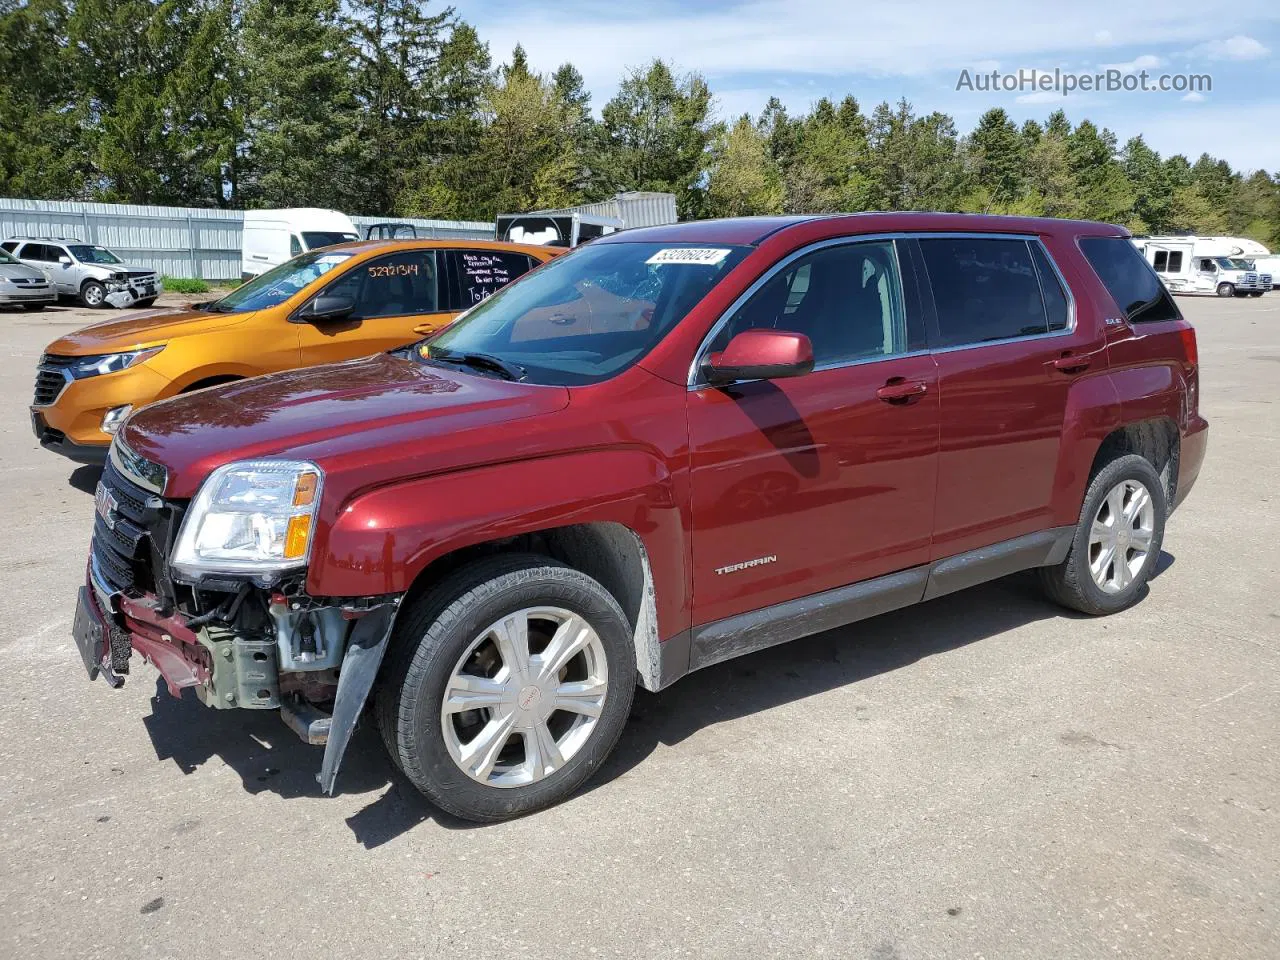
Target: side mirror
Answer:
pixel 65 261
pixel 327 308
pixel 760 355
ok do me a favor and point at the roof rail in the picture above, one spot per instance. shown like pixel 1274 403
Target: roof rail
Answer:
pixel 28 236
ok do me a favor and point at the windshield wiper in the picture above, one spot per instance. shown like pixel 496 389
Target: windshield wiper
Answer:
pixel 480 361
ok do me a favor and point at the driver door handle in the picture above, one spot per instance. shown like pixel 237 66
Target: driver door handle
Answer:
pixel 899 390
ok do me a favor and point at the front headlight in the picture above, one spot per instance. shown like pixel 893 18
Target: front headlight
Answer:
pixel 250 517
pixel 109 362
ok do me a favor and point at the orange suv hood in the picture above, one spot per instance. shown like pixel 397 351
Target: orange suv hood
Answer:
pixel 127 333
pixel 342 415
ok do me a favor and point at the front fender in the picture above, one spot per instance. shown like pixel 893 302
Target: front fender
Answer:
pixel 382 540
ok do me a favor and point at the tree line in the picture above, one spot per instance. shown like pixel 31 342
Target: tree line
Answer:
pixel 397 107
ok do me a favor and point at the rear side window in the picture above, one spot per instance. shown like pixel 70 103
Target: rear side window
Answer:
pixel 1129 279
pixel 479 274
pixel 984 289
pixel 846 299
pixel 1055 298
pixel 9 246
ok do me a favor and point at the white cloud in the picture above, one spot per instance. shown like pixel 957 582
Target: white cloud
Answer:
pixel 1043 96
pixel 829 37
pixel 1233 48
pixel 1104 38
pixel 1195 96
pixel 1145 62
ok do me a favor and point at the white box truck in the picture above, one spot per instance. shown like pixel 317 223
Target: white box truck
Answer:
pixel 1212 265
pixel 272 237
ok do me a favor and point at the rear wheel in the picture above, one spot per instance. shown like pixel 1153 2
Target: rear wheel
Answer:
pixel 1117 540
pixel 93 294
pixel 506 687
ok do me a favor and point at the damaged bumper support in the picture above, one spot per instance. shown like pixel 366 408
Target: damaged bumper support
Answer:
pixel 127 292
pixel 310 654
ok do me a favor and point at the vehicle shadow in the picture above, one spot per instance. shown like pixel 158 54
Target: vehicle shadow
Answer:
pixel 85 478
pixel 269 757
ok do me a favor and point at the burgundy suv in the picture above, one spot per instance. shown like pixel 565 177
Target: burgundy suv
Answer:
pixel 670 447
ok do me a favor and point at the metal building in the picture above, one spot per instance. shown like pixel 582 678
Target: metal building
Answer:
pixel 175 241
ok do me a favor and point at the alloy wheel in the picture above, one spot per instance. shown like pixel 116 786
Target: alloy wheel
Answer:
pixel 1121 536
pixel 525 697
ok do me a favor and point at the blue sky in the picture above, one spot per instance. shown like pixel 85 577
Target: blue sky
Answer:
pixel 800 50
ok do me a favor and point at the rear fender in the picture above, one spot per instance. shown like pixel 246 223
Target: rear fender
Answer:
pixel 382 540
pixel 1093 411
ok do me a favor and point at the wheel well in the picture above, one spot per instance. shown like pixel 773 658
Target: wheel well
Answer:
pixel 1154 440
pixel 210 382
pixel 610 553
pixel 88 280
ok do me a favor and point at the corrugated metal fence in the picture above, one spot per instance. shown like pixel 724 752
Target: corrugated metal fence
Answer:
pixel 176 241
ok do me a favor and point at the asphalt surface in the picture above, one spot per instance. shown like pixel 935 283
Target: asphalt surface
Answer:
pixel 981 776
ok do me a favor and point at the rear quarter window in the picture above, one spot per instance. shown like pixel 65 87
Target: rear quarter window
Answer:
pixel 1130 279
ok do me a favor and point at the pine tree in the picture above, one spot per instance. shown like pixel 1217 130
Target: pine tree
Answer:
pixel 657 130
pixel 996 154
pixel 397 48
pixel 303 117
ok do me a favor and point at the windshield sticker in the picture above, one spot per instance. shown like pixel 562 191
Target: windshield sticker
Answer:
pixel 333 259
pixel 699 256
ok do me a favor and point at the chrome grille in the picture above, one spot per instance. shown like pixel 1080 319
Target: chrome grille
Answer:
pixel 121 550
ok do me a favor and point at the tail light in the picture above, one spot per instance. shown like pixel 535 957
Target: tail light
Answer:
pixel 1188 335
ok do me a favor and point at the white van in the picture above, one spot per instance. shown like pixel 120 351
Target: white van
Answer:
pixel 1268 266
pixel 272 237
pixel 1216 265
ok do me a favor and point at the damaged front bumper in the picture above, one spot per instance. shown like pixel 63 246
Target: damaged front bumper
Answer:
pixel 311 655
pixel 125 293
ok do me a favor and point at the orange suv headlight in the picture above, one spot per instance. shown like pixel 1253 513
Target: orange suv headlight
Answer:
pixel 109 362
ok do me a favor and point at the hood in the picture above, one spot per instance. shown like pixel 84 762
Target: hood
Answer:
pixel 129 332
pixel 109 268
pixel 349 411
pixel 20 271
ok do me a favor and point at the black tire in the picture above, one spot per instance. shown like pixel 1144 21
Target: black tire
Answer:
pixel 34 307
pixel 1070 583
pixel 1255 293
pixel 93 295
pixel 1226 289
pixel 435 630
pixel 149 302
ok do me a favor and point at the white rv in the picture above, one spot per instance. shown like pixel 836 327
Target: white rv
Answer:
pixel 272 237
pixel 1216 265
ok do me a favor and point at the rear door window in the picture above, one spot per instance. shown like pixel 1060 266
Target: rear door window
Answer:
pixel 1129 279
pixel 478 274
pixel 984 289
pixel 846 299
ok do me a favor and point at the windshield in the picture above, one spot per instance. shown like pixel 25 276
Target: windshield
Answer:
pixel 325 238
pixel 1232 263
pixel 276 286
pixel 95 254
pixel 589 314
pixel 6 258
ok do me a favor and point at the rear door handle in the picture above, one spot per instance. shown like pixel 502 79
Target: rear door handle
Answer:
pixel 899 390
pixel 1072 364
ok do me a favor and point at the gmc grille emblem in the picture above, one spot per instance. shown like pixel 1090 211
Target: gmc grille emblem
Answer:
pixel 106 505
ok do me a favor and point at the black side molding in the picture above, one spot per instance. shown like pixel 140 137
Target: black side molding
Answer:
pixel 746 633
pixel 736 636
pixel 1044 548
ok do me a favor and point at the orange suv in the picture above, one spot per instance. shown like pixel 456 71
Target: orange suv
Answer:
pixel 337 303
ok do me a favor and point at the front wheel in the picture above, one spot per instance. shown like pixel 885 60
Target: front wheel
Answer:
pixel 1117 540
pixel 93 294
pixel 506 686
pixel 1226 289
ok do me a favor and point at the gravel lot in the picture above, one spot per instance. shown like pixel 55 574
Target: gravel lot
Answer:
pixel 982 776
